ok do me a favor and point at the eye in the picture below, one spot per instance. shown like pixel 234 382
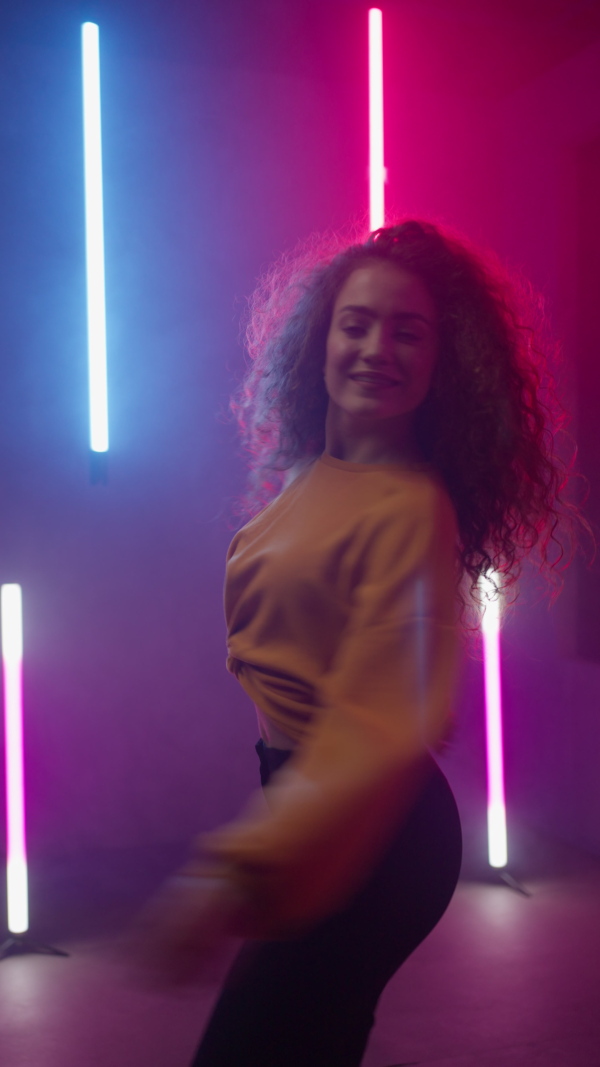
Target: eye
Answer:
pixel 354 331
pixel 408 338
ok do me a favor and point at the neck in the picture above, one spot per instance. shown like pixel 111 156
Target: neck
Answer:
pixel 365 441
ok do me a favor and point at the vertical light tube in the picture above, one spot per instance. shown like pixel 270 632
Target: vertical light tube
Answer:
pixel 11 615
pixel 376 162
pixel 94 235
pixel 496 803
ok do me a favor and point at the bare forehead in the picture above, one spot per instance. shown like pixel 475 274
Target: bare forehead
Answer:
pixel 386 289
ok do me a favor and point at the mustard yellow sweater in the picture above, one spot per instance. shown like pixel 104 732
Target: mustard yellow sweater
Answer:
pixel 340 601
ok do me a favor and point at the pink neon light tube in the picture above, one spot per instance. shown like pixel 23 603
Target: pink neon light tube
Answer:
pixel 496 802
pixel 12 664
pixel 376 164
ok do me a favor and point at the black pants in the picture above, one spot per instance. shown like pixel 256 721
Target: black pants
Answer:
pixel 310 1001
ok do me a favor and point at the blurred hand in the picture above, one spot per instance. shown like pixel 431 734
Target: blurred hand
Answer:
pixel 177 936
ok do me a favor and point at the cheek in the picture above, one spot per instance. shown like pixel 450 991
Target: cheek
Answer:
pixel 427 372
pixel 329 373
pixel 426 378
pixel 334 357
pixel 421 383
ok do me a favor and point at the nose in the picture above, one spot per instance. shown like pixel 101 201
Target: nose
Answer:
pixel 380 349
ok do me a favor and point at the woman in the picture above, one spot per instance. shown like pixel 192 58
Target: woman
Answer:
pixel 395 418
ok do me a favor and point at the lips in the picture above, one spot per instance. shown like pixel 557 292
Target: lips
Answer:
pixel 372 378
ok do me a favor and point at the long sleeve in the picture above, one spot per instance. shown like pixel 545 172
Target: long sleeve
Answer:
pixel 384 698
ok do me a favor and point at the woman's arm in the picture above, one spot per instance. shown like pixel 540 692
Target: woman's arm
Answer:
pixel 332 808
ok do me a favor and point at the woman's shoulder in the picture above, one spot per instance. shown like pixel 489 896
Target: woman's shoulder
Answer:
pixel 415 509
pixel 296 470
pixel 417 491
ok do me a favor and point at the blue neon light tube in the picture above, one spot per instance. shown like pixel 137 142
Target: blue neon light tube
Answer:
pixel 94 233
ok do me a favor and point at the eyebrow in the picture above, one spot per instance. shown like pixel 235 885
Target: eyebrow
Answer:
pixel 362 310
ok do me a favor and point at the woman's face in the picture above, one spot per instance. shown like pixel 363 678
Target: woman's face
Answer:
pixel 382 343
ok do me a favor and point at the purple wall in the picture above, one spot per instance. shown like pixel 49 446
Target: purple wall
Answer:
pixel 555 691
pixel 135 732
pixel 215 162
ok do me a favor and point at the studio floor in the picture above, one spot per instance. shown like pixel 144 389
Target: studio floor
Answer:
pixel 506 980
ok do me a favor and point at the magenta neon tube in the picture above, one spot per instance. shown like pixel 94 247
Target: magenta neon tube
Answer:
pixel 496 801
pixel 12 669
pixel 376 163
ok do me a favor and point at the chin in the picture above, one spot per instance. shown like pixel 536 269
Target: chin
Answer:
pixel 377 411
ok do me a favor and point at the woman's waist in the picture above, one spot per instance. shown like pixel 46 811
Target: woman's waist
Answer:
pixel 285 704
pixel 292 686
pixel 273 735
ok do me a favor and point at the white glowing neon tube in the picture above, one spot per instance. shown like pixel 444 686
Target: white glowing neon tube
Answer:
pixel 94 232
pixel 376 158
pixel 11 615
pixel 496 802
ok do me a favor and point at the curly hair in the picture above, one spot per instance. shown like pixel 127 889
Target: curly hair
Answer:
pixel 488 425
